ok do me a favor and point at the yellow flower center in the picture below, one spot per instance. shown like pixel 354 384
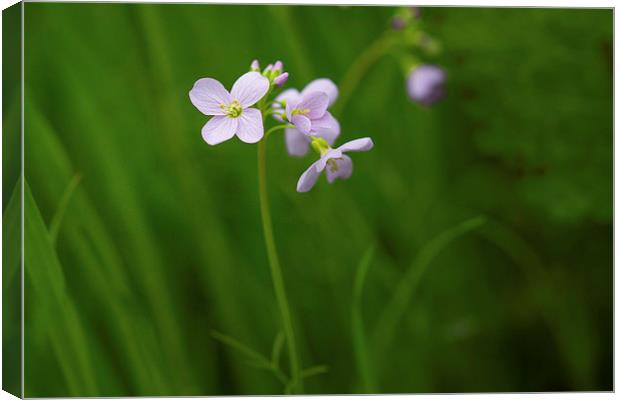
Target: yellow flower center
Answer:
pixel 233 110
pixel 300 111
pixel 333 165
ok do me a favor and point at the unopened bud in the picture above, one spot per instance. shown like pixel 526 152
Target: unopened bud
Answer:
pixel 281 79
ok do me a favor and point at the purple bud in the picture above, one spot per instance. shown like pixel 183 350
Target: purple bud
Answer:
pixel 425 84
pixel 398 23
pixel 281 79
pixel 255 66
pixel 278 66
pixel 416 12
pixel 267 71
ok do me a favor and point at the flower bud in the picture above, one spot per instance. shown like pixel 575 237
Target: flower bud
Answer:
pixel 398 23
pixel 278 66
pixel 267 71
pixel 281 79
pixel 255 66
pixel 425 84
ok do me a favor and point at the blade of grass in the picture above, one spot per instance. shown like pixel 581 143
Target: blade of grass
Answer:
pixel 142 251
pixel 11 293
pixel 358 330
pixel 259 360
pixel 91 247
pixel 314 371
pixel 396 308
pixel 45 274
pixel 62 207
pixel 243 349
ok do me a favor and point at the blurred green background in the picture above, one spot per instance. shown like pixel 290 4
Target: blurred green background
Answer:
pixel 484 223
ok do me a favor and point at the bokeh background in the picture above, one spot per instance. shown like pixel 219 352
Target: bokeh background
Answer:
pixel 471 250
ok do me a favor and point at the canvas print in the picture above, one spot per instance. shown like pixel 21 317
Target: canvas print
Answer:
pixel 281 199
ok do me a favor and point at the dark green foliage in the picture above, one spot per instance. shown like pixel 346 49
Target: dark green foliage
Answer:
pixel 159 242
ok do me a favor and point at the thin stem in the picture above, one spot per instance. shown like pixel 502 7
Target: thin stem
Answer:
pixel 277 127
pixel 276 272
pixel 360 66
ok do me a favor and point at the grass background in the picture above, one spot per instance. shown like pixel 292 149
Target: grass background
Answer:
pixel 470 251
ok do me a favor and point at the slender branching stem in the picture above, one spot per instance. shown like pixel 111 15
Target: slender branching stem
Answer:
pixel 276 271
pixel 277 127
pixel 360 66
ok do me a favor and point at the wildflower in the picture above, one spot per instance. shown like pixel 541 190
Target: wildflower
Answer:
pixel 231 111
pixel 326 127
pixel 281 79
pixel 425 84
pixel 335 163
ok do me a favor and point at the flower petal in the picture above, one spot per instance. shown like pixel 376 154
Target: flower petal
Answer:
pixel 297 143
pixel 333 153
pixel 363 144
pixel 323 85
pixel 315 103
pixel 344 169
pixel 281 79
pixel 425 84
pixel 250 128
pixel 302 123
pixel 308 178
pixel 289 95
pixel 249 88
pixel 208 95
pixel 326 127
pixel 219 129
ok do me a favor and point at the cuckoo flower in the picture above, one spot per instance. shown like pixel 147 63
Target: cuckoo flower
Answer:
pixel 232 112
pixel 335 163
pixel 425 84
pixel 327 127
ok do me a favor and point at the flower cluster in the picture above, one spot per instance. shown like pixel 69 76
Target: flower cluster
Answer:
pixel 304 117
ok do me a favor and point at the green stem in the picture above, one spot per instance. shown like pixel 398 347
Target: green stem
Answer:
pixel 360 66
pixel 277 127
pixel 276 272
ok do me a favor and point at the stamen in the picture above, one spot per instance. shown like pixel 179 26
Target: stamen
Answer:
pixel 300 111
pixel 333 165
pixel 233 110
